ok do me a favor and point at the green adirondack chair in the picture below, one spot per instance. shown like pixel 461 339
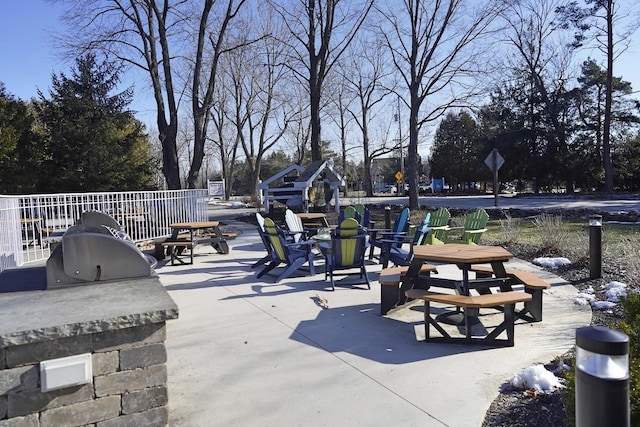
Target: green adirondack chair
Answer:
pixel 474 226
pixel 348 212
pixel 438 224
pixel 365 215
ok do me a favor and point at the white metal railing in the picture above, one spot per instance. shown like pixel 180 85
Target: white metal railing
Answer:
pixel 28 221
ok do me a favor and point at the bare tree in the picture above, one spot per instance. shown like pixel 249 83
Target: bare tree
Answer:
pixel 342 120
pixel 205 72
pixel 542 55
pixel 225 140
pixel 367 68
pixel 321 30
pixel 257 80
pixel 139 33
pixel 435 48
pixel 298 134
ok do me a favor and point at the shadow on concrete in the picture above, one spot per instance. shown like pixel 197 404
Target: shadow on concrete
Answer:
pixel 360 331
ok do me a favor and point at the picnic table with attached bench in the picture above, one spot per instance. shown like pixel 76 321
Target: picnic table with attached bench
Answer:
pixel 188 235
pixel 414 285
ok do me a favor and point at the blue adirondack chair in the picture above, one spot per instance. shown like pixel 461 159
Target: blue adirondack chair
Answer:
pixel 400 256
pixel 293 255
pixel 348 246
pixel 379 238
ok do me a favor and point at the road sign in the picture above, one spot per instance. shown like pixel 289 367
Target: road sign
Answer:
pixel 494 160
pixel 398 176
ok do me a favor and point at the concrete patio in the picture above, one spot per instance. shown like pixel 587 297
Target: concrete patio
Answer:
pixel 249 352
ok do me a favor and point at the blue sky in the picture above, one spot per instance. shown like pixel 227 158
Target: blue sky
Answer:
pixel 27 56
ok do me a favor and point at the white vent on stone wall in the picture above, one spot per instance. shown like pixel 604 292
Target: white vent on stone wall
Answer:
pixel 65 372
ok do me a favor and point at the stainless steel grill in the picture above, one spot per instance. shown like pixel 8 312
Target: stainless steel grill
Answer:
pixel 96 249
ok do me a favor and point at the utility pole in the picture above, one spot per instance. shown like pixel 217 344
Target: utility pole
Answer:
pixel 401 150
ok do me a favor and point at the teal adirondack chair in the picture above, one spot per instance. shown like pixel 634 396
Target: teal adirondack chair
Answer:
pixel 293 255
pixel 348 246
pixel 471 232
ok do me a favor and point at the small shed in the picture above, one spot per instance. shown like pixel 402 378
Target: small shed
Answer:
pixel 299 188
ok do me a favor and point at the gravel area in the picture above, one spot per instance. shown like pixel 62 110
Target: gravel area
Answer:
pixel 525 408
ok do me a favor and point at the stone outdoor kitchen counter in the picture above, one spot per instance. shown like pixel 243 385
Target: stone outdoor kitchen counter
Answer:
pixel 32 316
pixel 121 325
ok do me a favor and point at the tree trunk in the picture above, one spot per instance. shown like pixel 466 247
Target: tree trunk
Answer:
pixel 606 140
pixel 316 153
pixel 412 154
pixel 167 137
pixel 199 136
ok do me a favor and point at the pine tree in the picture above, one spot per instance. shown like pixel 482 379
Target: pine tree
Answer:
pixel 93 143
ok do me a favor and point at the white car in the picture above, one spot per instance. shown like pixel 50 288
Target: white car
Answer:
pixel 389 188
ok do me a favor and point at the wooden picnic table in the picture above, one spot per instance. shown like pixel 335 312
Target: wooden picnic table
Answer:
pixel 32 230
pixel 313 219
pixel 199 232
pixel 464 256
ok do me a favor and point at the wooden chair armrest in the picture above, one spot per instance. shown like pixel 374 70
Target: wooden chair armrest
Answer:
pixel 482 230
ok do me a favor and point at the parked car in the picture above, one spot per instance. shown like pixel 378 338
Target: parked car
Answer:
pixel 424 188
pixel 388 189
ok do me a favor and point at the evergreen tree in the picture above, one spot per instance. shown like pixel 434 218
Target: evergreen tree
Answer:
pixel 455 153
pixel 93 142
pixel 19 158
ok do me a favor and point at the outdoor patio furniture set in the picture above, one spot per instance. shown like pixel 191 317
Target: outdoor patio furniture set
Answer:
pixel 410 248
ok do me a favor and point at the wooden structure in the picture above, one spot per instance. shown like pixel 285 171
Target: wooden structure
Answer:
pixel 317 172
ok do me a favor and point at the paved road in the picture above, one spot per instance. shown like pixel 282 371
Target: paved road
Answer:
pixel 508 201
pixel 221 211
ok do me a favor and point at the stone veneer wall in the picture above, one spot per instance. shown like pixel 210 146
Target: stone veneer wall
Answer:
pixel 129 369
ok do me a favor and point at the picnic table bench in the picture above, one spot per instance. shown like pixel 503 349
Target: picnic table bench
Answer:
pixel 199 233
pixel 533 285
pixel 507 300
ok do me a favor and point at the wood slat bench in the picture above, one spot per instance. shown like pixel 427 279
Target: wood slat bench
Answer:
pixel 507 300
pixel 533 285
pixel 175 248
pixel 390 278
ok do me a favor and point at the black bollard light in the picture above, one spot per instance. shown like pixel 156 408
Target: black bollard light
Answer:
pixel 595 246
pixel 602 378
pixel 387 217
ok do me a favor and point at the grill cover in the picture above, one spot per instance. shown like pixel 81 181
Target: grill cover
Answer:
pixel 92 252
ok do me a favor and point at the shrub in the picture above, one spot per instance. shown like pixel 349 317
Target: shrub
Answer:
pixel 510 228
pixel 631 258
pixel 553 232
pixel 576 248
pixel 631 326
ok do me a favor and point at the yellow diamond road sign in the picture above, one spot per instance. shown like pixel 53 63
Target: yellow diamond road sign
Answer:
pixel 398 175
